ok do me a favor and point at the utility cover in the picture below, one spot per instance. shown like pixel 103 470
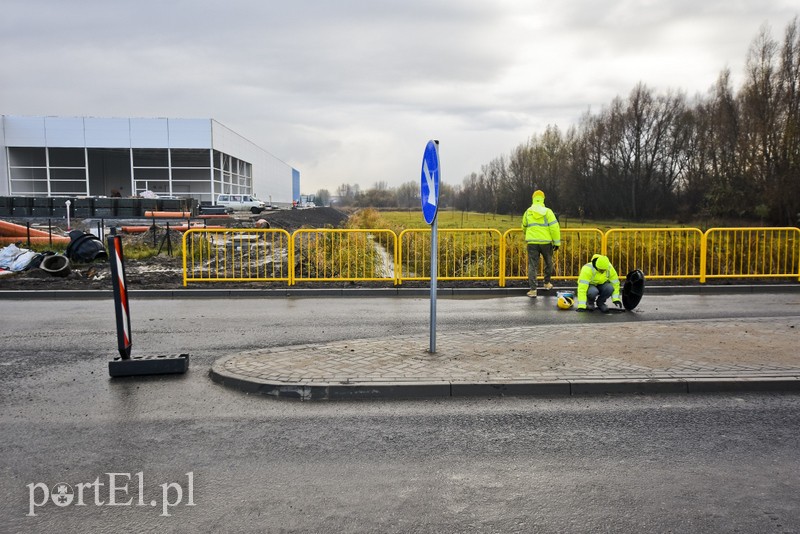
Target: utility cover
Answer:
pixel 633 289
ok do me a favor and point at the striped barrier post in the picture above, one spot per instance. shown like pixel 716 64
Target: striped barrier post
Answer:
pixel 123 312
pixel 125 364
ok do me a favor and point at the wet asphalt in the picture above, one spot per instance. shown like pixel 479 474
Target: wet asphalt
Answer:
pixel 703 463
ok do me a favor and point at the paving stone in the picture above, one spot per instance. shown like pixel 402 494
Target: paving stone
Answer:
pixel 760 348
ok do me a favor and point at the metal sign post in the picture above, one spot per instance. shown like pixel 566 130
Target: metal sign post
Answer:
pixel 429 193
pixel 434 273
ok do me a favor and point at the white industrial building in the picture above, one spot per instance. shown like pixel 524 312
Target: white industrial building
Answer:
pixel 89 156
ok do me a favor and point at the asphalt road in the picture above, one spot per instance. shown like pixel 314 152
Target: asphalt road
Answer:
pixel 209 328
pixel 591 464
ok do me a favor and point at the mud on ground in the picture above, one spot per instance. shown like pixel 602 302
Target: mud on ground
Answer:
pixel 164 271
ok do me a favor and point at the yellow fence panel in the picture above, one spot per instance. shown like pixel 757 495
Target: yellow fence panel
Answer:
pixel 577 247
pixel 462 254
pixel 236 255
pixel 344 255
pixel 252 255
pixel 659 252
pixel 752 253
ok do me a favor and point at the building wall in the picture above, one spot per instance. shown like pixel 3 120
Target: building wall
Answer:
pixel 131 153
pixel 4 186
pixel 272 178
pixel 295 185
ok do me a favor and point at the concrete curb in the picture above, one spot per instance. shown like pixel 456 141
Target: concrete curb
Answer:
pixel 294 292
pixel 443 389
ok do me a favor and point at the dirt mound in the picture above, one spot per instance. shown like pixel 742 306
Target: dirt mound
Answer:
pixel 291 220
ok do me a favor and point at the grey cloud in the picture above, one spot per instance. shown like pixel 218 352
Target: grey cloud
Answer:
pixel 310 80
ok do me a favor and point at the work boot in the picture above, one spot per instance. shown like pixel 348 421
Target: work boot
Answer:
pixel 602 307
pixel 548 286
pixel 532 293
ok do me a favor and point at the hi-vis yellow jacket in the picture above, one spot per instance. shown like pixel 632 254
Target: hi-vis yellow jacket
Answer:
pixel 589 276
pixel 540 224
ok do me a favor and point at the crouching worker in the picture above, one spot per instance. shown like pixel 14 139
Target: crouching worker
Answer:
pixel 597 281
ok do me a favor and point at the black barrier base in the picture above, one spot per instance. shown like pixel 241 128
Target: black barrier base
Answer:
pixel 149 365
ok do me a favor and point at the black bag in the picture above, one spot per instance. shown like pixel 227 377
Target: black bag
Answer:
pixel 85 248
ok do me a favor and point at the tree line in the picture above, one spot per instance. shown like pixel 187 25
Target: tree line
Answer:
pixel 725 155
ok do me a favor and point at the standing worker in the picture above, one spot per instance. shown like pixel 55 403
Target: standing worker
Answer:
pixel 543 235
pixel 597 281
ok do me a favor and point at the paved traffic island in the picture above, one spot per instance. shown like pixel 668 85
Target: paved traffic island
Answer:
pixel 671 357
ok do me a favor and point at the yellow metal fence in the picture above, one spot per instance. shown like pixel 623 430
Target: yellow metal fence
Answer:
pixel 751 253
pixel 329 255
pixel 462 254
pixel 658 252
pixel 324 255
pixel 237 255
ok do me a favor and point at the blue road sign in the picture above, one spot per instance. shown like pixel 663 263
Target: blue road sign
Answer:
pixel 429 189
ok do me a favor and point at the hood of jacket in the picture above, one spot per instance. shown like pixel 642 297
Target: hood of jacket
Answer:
pixel 538 206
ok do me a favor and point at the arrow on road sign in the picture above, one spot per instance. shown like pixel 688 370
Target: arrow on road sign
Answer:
pixel 429 180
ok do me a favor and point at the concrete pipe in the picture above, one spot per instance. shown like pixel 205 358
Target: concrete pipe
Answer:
pixel 56 265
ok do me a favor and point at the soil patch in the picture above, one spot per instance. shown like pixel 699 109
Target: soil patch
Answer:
pixel 164 271
pixel 291 220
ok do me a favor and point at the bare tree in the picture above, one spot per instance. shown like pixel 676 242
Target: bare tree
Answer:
pixel 408 195
pixel 494 175
pixel 347 193
pixel 759 111
pixel 784 195
pixel 323 197
pixel 519 181
pixel 551 163
pixel 714 182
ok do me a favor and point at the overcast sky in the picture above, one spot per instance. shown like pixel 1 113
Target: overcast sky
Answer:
pixel 350 91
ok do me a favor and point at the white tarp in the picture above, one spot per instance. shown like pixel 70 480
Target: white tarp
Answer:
pixel 16 259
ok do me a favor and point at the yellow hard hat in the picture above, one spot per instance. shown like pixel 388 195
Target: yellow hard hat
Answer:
pixel 538 193
pixel 565 302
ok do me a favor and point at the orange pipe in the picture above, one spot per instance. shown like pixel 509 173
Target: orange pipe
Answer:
pixel 11 229
pixel 168 214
